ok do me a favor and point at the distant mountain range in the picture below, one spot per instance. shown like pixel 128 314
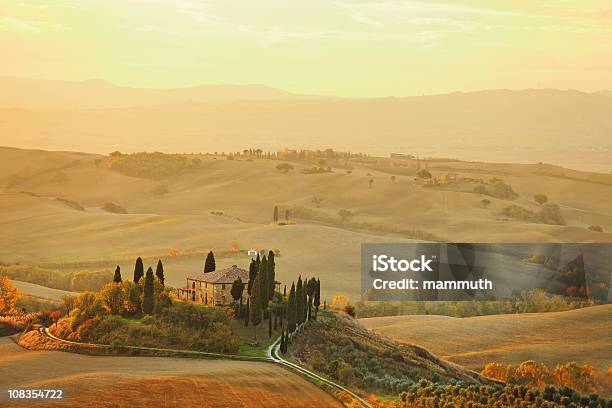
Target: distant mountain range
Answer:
pixel 97 94
pixel 97 116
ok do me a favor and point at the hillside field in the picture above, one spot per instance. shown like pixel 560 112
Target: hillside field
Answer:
pixel 581 335
pixel 52 203
pixel 154 381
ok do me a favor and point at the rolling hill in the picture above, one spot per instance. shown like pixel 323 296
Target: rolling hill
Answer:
pixel 226 205
pixel 149 381
pixel 581 335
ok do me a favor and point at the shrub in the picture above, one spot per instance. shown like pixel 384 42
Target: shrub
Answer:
pixel 160 191
pixel 423 174
pixel 149 165
pixel 595 228
pixel 540 198
pixel 548 214
pixel 113 208
pixel 284 167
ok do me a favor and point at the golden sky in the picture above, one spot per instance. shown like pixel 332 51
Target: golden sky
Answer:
pixel 336 47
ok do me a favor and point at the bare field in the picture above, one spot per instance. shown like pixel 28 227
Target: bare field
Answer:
pixel 97 381
pixel 582 335
pixel 45 230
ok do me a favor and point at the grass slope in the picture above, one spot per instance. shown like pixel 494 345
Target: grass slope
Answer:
pixel 582 335
pixel 152 381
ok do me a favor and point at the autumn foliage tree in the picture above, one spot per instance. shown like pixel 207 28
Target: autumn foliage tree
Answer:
pixel 8 295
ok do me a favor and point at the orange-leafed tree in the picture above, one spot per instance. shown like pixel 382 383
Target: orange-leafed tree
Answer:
pixel 8 295
pixel 532 374
pixel 55 315
pixel 582 378
pixel 496 371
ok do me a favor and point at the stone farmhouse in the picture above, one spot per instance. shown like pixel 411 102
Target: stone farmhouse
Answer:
pixel 214 288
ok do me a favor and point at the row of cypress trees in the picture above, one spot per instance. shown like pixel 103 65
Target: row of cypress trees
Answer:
pixel 302 305
pixel 264 302
pixel 148 291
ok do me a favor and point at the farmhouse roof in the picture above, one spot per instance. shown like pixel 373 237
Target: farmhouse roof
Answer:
pixel 227 275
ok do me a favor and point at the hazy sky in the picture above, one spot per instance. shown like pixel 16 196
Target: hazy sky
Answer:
pixel 340 47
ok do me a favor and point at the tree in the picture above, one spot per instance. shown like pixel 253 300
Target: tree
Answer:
pixel 393 178
pixel 370 182
pixel 485 202
pixel 246 313
pixel 8 295
pixel 349 310
pixel 148 297
pixel 138 270
pixel 284 167
pixel 299 301
pixel 159 272
pixel 270 327
pixel 276 213
pixel 252 274
pixel 117 277
pixel 291 310
pixel 311 288
pixel 540 198
pixel 255 304
pixel 237 289
pixel 423 173
pixel 209 264
pixel 317 298
pixel 133 297
pixel 55 316
pixel 262 274
pixel 345 214
pixel 271 269
pixel 317 201
pixel 113 297
pixel 305 302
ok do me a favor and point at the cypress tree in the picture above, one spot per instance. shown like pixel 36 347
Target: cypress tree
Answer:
pixel 138 270
pixel 159 272
pixel 299 301
pixel 117 277
pixel 237 289
pixel 252 275
pixel 262 275
pixel 310 291
pixel 317 298
pixel 275 314
pixel 304 303
pixel 209 264
pixel 285 291
pixel 148 299
pixel 275 213
pixel 271 267
pixel 246 313
pixel 270 327
pixel 291 310
pixel 255 306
